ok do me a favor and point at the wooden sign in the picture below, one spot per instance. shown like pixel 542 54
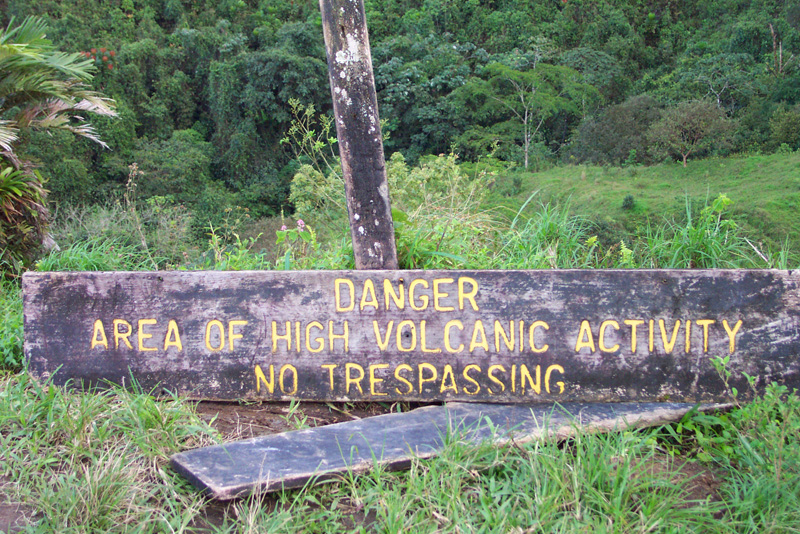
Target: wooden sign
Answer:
pixel 491 336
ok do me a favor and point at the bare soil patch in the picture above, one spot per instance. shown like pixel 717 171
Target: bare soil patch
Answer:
pixel 241 421
pixel 14 516
pixel 699 482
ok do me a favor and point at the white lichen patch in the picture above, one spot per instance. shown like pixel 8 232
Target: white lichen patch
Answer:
pixel 351 54
pixel 383 191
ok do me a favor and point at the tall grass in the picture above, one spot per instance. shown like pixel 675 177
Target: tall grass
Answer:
pixel 156 229
pixel 10 325
pixel 707 240
pixel 551 238
pixel 96 254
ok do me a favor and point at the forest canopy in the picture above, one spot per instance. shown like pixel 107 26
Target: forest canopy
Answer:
pixel 204 89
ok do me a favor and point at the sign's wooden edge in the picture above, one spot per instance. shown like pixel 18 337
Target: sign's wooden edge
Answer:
pixel 374 272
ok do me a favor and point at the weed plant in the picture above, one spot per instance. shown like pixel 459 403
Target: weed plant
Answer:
pixel 236 256
pixel 437 211
pixel 757 446
pixel 440 220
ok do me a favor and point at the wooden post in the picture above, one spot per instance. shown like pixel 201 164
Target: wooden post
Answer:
pixel 358 129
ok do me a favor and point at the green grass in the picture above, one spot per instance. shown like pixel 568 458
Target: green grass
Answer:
pixel 765 191
pixel 96 253
pixel 96 462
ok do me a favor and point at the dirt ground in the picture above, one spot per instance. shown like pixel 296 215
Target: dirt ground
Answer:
pixel 242 421
pixel 13 515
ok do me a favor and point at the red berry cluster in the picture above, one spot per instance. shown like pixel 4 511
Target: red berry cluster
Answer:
pixel 100 56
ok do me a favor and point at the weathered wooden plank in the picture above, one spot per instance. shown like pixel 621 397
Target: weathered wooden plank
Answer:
pixel 358 130
pixel 496 336
pixel 291 459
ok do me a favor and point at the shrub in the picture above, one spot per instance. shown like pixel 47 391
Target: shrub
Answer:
pixel 179 166
pixel 435 206
pixel 23 218
pixel 690 129
pixel 628 202
pixel 784 128
pixel 438 220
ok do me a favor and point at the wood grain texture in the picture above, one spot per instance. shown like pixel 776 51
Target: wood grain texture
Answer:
pixel 205 334
pixel 292 459
pixel 358 129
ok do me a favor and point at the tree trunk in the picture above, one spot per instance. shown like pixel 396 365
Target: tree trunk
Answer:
pixel 527 138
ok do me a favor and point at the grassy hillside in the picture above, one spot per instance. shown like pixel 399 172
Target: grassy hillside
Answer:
pixel 765 191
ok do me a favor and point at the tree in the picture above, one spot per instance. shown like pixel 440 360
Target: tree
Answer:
pixel 534 96
pixel 618 133
pixel 689 128
pixel 600 70
pixel 41 88
pixel 784 127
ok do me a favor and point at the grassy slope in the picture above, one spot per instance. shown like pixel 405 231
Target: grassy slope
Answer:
pixel 765 191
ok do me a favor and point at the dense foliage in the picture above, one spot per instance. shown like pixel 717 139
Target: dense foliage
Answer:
pixel 204 89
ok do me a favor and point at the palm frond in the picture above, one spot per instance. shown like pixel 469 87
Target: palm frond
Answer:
pixel 9 134
pixel 70 65
pixel 32 31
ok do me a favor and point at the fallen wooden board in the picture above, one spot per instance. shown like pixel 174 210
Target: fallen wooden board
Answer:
pixel 488 336
pixel 292 459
